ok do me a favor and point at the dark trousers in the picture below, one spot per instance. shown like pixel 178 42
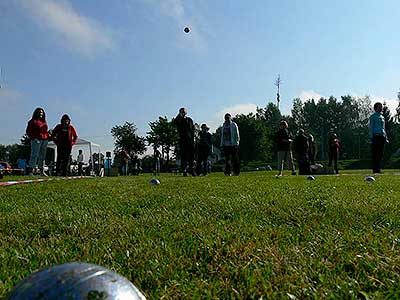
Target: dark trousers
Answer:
pixel 378 145
pixel 80 169
pixel 202 161
pixel 187 156
pixel 333 156
pixel 231 154
pixel 63 156
pixel 304 164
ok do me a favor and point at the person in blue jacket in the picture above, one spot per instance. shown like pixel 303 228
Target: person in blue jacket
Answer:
pixel 378 137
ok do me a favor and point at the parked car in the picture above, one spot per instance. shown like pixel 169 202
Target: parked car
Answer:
pixel 5 167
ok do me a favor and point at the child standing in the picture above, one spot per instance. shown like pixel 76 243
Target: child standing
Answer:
pixel 283 141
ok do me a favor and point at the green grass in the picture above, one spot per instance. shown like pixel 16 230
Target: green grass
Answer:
pixel 213 237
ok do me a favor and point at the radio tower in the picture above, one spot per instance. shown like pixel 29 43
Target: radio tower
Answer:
pixel 278 84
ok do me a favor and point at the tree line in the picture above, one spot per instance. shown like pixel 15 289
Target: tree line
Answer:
pixel 347 117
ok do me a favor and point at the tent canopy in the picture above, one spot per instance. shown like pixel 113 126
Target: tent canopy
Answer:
pixel 79 142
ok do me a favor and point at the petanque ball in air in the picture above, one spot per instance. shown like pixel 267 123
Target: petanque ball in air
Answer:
pixel 186 29
pixel 310 177
pixel 369 179
pixel 154 181
pixel 78 281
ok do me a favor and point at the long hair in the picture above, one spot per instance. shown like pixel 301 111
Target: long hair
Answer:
pixel 35 115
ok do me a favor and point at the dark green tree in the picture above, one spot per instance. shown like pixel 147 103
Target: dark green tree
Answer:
pixel 253 138
pixel 125 137
pixel 163 134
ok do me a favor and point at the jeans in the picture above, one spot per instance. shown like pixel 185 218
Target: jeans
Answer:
pixel 124 168
pixel 38 153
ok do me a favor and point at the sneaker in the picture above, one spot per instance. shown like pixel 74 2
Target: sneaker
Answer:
pixel 31 174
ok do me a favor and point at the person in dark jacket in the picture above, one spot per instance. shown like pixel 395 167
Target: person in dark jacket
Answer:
pixel 185 128
pixel 333 151
pixel 204 149
pixel 157 161
pixel 64 136
pixel 301 149
pixel 283 142
pixel 37 131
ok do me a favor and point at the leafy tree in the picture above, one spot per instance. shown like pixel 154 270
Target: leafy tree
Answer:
pixel 125 137
pixel 253 138
pixel 163 134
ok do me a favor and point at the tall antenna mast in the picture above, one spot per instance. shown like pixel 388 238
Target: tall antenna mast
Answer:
pixel 278 85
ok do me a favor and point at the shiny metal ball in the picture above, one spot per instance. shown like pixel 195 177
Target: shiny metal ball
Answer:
pixel 75 281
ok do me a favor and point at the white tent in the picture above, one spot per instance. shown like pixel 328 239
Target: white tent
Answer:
pixel 79 142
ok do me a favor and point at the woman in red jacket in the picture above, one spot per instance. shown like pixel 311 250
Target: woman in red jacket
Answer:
pixel 37 131
pixel 64 136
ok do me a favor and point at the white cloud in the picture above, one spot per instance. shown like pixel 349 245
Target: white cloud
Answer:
pixel 308 95
pixel 79 33
pixel 234 110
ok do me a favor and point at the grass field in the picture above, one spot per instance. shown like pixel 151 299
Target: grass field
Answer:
pixel 213 237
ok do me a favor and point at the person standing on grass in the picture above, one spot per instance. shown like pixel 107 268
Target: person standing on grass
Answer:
pixel 333 151
pixel 124 161
pixel 64 136
pixel 185 127
pixel 378 137
pixel 311 149
pixel 301 148
pixel 79 160
pixel 157 161
pixel 204 149
pixel 230 140
pixel 283 141
pixel 37 131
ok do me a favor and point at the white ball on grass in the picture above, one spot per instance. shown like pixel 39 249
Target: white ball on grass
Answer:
pixel 154 181
pixel 369 179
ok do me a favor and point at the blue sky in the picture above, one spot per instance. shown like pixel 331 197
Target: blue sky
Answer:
pixel 107 62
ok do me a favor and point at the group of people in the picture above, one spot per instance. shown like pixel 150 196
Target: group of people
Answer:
pixel 230 139
pixel 304 150
pixel 303 146
pixel 64 136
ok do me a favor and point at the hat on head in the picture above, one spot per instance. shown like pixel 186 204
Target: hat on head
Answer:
pixel 204 125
